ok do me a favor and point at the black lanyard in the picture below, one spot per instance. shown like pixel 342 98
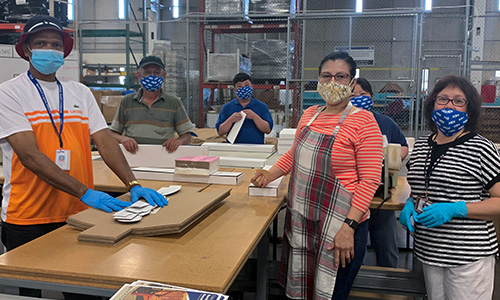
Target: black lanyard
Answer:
pixel 45 102
pixel 430 168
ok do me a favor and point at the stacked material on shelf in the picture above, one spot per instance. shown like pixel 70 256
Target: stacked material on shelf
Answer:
pixel 285 140
pixel 273 6
pixel 175 73
pixel 268 58
pixel 175 68
pixel 197 165
pixel 226 6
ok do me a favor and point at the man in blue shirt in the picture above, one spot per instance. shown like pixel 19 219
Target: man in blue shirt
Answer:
pixel 258 118
pixel 383 224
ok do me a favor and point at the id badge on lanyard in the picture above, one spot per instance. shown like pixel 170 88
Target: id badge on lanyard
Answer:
pixel 62 156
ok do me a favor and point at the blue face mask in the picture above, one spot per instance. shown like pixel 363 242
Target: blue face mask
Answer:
pixel 364 102
pixel 47 61
pixel 449 121
pixel 152 83
pixel 244 93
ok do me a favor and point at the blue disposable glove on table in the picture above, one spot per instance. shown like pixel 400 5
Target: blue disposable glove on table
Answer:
pixel 406 214
pixel 439 213
pixel 153 197
pixel 103 201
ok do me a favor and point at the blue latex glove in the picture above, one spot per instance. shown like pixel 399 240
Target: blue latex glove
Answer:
pixel 406 214
pixel 153 197
pixel 440 213
pixel 103 201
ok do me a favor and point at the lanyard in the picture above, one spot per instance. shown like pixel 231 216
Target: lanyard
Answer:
pixel 429 169
pixel 45 102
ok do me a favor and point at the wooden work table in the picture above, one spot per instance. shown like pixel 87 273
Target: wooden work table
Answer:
pixel 208 256
pixel 105 180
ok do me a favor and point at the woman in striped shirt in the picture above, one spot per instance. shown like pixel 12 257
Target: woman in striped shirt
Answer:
pixel 335 167
pixel 454 175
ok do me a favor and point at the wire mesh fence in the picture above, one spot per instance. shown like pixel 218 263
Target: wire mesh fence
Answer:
pixel 401 52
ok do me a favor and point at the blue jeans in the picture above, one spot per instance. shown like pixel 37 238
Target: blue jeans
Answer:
pixel 383 237
pixel 345 276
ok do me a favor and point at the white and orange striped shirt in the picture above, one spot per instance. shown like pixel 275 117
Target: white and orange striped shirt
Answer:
pixel 357 152
pixel 27 199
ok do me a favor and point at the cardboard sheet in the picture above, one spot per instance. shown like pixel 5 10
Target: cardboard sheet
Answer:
pixel 219 177
pixel 157 156
pixel 184 208
pixel 263 148
pixel 233 133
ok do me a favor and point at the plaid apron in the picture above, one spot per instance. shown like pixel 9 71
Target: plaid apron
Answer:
pixel 316 208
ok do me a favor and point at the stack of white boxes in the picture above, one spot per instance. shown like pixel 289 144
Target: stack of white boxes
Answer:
pixel 285 140
pixel 175 77
pixel 175 68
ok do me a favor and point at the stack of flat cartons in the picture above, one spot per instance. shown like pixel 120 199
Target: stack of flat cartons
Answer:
pixel 175 77
pixel 285 140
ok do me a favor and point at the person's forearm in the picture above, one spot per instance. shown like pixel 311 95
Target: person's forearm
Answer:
pixel 404 152
pixel 484 210
pixel 185 138
pixel 225 127
pixel 48 171
pixel 113 156
pixel 262 125
pixel 117 136
pixel 355 214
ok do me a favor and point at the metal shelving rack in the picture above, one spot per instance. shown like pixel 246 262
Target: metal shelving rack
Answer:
pixel 273 24
pixel 128 35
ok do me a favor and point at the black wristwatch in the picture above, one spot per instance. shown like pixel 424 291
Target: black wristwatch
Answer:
pixel 353 224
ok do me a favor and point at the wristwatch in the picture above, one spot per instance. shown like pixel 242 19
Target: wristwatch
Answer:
pixel 353 224
pixel 132 184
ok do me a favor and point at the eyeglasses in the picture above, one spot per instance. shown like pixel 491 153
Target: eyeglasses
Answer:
pixel 459 102
pixel 149 73
pixel 339 77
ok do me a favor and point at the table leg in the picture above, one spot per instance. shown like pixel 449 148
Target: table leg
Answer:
pixel 262 251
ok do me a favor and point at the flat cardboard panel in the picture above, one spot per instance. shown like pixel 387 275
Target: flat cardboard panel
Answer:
pixel 227 178
pixel 241 162
pixel 184 208
pixel 155 156
pixel 239 147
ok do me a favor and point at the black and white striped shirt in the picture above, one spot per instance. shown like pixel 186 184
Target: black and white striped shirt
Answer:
pixel 469 167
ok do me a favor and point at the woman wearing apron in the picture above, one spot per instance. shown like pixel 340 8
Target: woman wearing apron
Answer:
pixel 335 167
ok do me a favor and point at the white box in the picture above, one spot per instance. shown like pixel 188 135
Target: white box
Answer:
pixel 271 190
pixel 287 133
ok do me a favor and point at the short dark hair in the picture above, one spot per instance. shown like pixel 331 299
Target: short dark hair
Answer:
pixel 240 77
pixel 365 85
pixel 473 98
pixel 343 56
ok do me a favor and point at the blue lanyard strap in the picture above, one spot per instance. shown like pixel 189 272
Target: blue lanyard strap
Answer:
pixel 46 103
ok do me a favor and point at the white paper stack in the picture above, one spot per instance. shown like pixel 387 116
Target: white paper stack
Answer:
pixel 271 190
pixel 285 140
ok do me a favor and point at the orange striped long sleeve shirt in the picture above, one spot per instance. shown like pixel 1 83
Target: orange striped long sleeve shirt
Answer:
pixel 357 153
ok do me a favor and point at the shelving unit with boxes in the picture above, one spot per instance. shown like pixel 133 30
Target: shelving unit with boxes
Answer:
pixel 111 52
pixel 272 72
